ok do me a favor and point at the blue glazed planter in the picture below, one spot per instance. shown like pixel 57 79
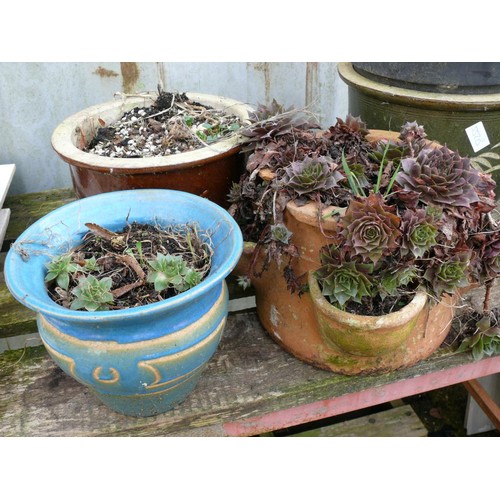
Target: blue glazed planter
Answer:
pixel 139 361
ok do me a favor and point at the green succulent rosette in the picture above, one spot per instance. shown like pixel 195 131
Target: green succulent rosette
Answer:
pixel 311 175
pixel 447 276
pixel 340 281
pixel 419 233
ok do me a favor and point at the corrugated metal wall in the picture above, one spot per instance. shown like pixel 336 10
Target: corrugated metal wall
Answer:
pixel 36 97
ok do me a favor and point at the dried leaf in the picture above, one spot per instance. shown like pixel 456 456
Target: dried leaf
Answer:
pixel 125 289
pixel 155 125
pixel 100 231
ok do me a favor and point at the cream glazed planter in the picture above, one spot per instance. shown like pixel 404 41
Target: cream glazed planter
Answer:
pixel 208 171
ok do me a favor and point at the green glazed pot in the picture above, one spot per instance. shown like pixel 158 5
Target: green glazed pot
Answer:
pixel 445 116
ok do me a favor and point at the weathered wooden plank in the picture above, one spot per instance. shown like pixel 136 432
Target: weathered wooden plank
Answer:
pixel 15 319
pixel 250 377
pixel 27 208
pixel 396 422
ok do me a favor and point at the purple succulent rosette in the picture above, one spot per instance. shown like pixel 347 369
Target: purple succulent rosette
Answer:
pixel 441 177
pixel 371 228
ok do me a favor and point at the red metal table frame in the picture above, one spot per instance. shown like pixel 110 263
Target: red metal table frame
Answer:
pixel 362 399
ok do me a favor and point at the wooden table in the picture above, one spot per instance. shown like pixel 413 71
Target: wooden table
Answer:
pixel 251 386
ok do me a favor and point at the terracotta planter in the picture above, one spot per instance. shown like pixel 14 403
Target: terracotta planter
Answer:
pixel 302 325
pixel 364 335
pixel 313 331
pixel 208 171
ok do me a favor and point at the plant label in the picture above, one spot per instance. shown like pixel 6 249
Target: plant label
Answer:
pixel 477 136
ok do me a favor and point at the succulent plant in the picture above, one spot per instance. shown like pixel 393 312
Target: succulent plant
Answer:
pixel 486 258
pixel 92 294
pixel 91 265
pixel 447 276
pixel 342 281
pixel 311 174
pixel 408 214
pixel 413 136
pixel 171 271
pixel 359 173
pixel 392 280
pixel 280 233
pixel 419 233
pixel 486 341
pixel 60 269
pixel 269 122
pixel 492 246
pixel 441 177
pixel 371 228
pixel 387 151
pixel 349 137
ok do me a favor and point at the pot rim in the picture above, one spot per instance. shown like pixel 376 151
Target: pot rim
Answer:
pixel 460 102
pixel 47 306
pixel 390 320
pixel 62 142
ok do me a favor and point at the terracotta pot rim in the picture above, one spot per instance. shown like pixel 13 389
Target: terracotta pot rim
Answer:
pixel 428 99
pixel 400 317
pixel 62 138
pixel 308 214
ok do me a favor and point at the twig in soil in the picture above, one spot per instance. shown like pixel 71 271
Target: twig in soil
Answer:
pixel 130 261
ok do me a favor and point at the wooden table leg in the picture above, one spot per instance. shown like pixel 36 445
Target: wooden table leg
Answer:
pixel 485 402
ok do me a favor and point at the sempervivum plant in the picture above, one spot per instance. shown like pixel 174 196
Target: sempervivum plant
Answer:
pixel 414 137
pixel 371 228
pixel 408 214
pixel 272 121
pixel 419 232
pixel 310 175
pixel 349 137
pixel 441 177
pixel 449 275
pixel 342 281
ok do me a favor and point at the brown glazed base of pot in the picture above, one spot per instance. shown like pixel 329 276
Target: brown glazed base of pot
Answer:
pixel 210 178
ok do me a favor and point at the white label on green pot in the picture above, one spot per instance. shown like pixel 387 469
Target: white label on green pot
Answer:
pixel 477 136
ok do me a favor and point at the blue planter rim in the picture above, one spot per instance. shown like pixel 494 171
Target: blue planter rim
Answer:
pixel 47 306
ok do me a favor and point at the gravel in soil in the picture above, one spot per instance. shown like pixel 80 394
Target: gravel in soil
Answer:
pixel 173 124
